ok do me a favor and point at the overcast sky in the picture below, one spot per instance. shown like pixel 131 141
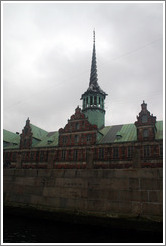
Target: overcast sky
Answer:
pixel 47 51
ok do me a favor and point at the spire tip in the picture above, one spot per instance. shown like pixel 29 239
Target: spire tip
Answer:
pixel 94 35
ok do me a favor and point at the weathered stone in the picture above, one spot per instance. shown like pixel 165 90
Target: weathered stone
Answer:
pixel 134 184
pixel 137 208
pixel 148 184
pixel 86 190
pixel 90 161
pixel 154 209
pixel 155 196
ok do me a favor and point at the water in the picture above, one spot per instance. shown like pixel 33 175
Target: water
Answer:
pixel 20 229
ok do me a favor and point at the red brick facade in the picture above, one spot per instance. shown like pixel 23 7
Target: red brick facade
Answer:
pixel 145 125
pixel 78 146
pixel 78 131
pixel 26 136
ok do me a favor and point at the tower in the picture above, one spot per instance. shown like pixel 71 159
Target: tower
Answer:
pixel 93 98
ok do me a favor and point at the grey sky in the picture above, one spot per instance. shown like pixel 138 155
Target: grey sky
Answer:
pixel 47 50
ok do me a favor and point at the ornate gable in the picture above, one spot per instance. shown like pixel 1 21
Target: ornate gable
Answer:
pixel 26 136
pixel 145 124
pixel 78 131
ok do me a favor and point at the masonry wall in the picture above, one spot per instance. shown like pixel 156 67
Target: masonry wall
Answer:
pixel 111 193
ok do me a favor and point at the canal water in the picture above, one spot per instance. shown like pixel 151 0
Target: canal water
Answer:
pixel 20 229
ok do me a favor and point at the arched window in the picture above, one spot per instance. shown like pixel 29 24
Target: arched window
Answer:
pixel 91 100
pixel 84 103
pixel 95 100
pixel 76 139
pixel 77 126
pixel 87 102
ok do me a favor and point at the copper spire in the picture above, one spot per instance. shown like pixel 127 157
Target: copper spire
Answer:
pixel 93 84
pixel 93 74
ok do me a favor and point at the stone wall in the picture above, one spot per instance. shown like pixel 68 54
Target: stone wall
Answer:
pixel 118 193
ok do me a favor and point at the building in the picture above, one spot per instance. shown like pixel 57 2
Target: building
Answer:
pixel 85 141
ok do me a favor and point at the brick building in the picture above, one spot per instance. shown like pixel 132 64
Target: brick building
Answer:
pixel 85 141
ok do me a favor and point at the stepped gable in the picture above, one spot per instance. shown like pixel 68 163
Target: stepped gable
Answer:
pixel 78 131
pixel 78 122
pixel 31 135
pixel 145 118
pixel 26 136
pixel 145 124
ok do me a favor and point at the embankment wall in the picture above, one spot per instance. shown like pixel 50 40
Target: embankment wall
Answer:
pixel 116 193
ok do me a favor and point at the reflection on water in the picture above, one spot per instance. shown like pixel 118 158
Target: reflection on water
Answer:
pixel 19 229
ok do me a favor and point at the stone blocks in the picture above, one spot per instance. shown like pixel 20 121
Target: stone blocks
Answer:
pixel 128 192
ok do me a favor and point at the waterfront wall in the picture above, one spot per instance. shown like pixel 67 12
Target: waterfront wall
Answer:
pixel 116 193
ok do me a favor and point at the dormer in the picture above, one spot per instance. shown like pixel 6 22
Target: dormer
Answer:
pixel 145 124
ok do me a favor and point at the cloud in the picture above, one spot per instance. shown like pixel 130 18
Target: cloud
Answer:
pixel 47 50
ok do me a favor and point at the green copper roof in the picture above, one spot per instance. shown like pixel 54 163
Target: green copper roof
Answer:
pixel 159 133
pixel 125 133
pixel 50 140
pixel 108 134
pixel 38 133
pixel 10 139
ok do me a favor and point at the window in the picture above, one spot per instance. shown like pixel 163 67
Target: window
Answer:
pixel 64 140
pixel 145 133
pixel 146 151
pixel 75 155
pixel 102 103
pixel 25 143
pixel 87 101
pixel 32 156
pixel 26 130
pixel 161 150
pixel 37 155
pixel 123 152
pixel 84 103
pixel 91 100
pixel 76 139
pixel 14 156
pixel 77 126
pixel 95 100
pixel 130 151
pixel 63 154
pixel 88 138
pixel 144 118
pixel 115 152
pixel 101 154
pixel 41 156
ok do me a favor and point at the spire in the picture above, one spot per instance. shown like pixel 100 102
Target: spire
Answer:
pixel 93 84
pixel 93 74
